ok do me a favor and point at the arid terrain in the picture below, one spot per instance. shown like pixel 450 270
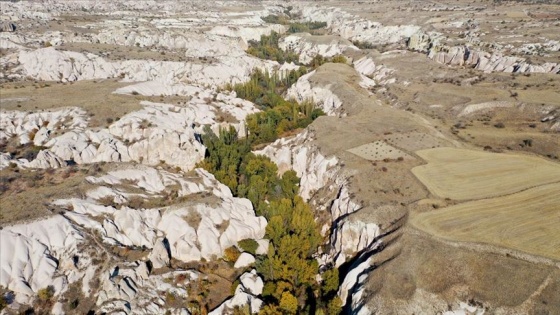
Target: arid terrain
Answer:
pixel 147 150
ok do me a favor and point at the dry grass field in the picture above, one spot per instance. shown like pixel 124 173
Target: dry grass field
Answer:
pixel 96 97
pixel 527 221
pixel 27 194
pixel 462 174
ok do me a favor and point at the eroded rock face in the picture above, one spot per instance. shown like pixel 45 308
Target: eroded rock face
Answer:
pixel 487 62
pixel 33 253
pixel 307 46
pixel 67 248
pixel 159 132
pixel 303 90
pixel 314 169
pixel 348 237
pixel 245 294
pixel 356 29
pixel 379 73
pixel 434 45
pixel 49 64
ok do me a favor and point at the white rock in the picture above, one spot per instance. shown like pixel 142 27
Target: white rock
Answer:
pixel 244 260
pixel 322 96
pixel 307 46
pixel 46 159
pixel 35 254
pixel 251 285
pixel 314 169
pixel 159 255
pixel 354 278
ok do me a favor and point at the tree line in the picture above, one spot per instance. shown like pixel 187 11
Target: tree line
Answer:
pixel 278 115
pixel 289 268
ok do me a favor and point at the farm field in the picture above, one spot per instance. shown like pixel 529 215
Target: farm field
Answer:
pixel 462 174
pixel 378 150
pixel 527 221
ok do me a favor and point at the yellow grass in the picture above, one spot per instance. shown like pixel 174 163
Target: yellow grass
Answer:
pixel 462 174
pixel 528 221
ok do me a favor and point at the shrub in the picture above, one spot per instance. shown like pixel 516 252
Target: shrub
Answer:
pixel 170 298
pixel 275 19
pixel 338 59
pixel 231 254
pixel 249 245
pixel 3 302
pixel 363 45
pixel 305 27
pixel 46 294
pixel 234 286
pixel 74 304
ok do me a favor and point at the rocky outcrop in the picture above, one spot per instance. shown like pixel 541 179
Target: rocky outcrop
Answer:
pixel 307 46
pixel 159 132
pixel 464 56
pixel 6 26
pixel 380 74
pixel 303 90
pixel 251 285
pixel 46 159
pixel 314 169
pixel 433 44
pixel 67 247
pixel 191 231
pixel 49 64
pixel 34 253
pixel 354 28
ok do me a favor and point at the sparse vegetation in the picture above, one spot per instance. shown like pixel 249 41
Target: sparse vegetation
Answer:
pixel 305 27
pixel 27 151
pixel 294 27
pixel 319 60
pixel 363 44
pixel 26 194
pixel 46 294
pixel 193 219
pixel 267 48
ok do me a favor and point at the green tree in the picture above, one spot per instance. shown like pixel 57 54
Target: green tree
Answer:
pixel 335 306
pixel 288 303
pixel 330 282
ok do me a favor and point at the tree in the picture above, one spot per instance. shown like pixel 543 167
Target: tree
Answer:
pixel 288 303
pixel 330 282
pixel 335 306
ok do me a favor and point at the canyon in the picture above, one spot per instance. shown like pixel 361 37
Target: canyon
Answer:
pixel 438 146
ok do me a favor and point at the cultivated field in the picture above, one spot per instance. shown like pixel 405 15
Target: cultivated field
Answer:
pixel 527 221
pixel 378 150
pixel 414 141
pixel 462 174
